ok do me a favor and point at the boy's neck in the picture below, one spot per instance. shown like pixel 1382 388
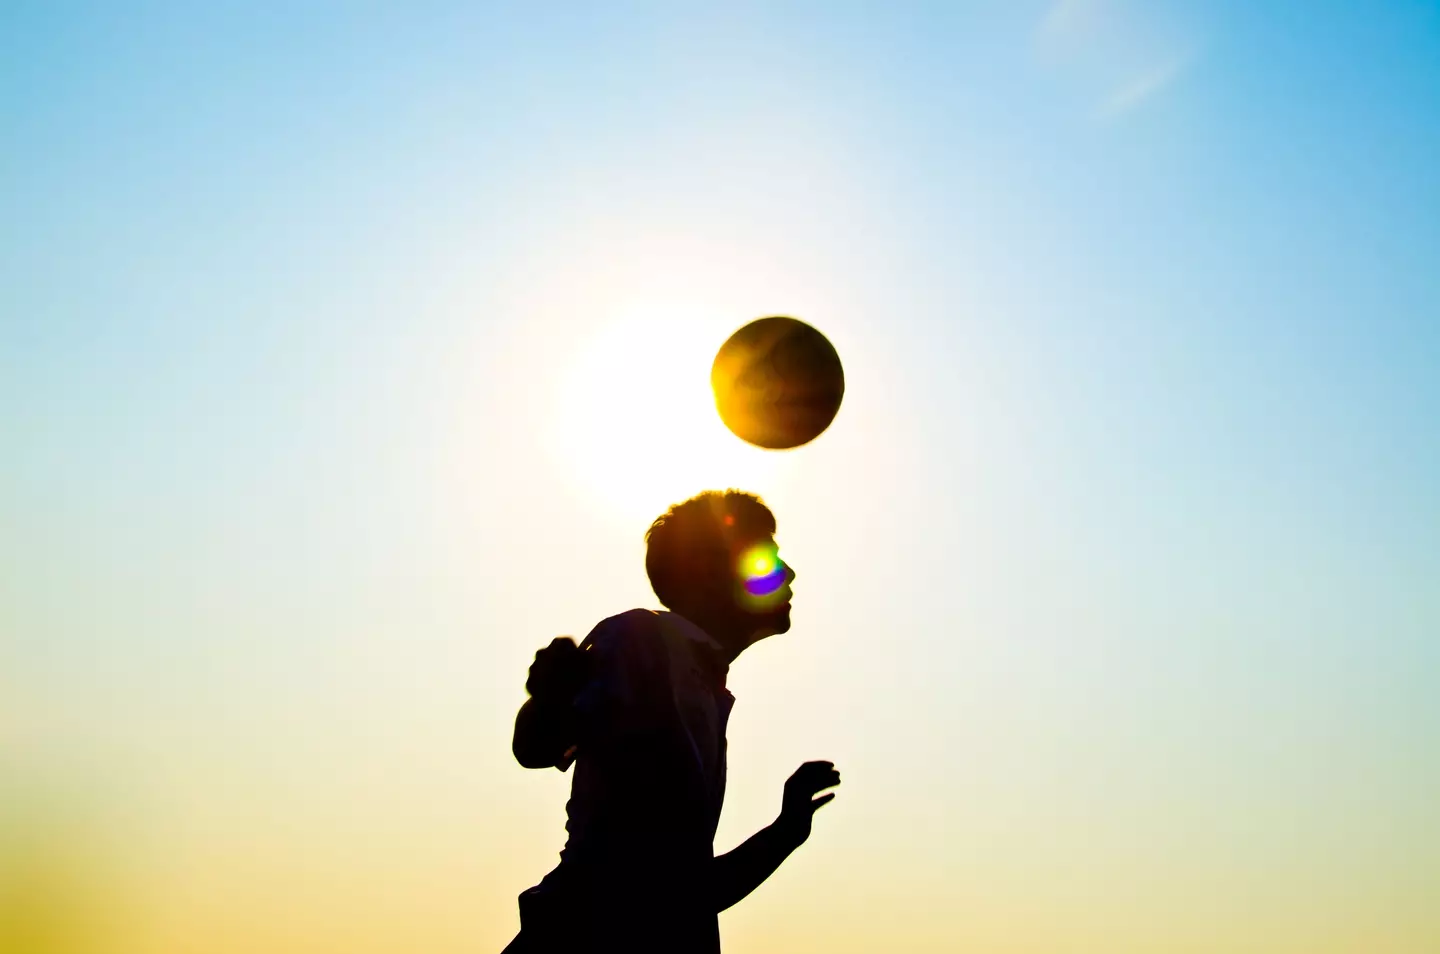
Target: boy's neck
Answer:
pixel 732 639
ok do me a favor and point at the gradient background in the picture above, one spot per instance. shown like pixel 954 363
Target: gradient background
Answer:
pixel 347 350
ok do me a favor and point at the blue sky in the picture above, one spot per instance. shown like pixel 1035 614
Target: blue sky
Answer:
pixel 1130 511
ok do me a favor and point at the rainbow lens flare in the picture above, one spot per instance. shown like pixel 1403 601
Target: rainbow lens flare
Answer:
pixel 761 570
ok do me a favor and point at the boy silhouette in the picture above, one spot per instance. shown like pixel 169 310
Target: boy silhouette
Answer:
pixel 641 710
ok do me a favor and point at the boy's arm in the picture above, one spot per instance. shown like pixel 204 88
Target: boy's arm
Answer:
pixel 545 727
pixel 543 734
pixel 736 873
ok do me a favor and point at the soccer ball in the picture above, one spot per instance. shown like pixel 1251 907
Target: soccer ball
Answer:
pixel 778 383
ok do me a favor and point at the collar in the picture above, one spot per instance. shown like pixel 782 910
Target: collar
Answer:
pixel 709 652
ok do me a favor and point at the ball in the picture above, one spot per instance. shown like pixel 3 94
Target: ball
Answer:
pixel 777 382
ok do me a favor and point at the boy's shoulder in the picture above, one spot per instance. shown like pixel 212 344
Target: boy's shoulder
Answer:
pixel 643 633
pixel 636 630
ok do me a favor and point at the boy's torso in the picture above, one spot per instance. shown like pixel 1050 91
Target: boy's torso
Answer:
pixel 678 772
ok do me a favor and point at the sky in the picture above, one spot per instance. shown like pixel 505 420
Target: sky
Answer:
pixel 347 350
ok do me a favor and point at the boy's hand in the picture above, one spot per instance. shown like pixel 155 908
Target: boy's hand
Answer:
pixel 559 672
pixel 800 804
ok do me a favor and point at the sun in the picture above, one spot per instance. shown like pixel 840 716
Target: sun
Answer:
pixel 634 425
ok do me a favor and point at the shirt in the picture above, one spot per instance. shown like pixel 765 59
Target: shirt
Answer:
pixel 649 777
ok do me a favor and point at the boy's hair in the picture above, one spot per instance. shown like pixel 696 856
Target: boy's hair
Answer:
pixel 690 546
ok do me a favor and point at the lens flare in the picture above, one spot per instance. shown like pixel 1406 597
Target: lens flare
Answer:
pixel 761 570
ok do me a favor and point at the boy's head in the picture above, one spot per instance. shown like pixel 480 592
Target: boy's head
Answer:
pixel 713 558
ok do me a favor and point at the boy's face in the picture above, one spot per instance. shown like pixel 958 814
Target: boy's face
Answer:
pixel 762 590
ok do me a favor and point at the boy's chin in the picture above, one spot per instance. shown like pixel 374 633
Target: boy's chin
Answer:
pixel 774 623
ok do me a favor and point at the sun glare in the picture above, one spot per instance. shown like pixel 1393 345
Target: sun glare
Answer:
pixel 635 426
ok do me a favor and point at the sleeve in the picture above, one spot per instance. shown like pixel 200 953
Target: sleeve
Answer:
pixel 630 692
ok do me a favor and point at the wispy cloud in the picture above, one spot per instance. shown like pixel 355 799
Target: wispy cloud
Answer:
pixel 1142 88
pixel 1118 54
